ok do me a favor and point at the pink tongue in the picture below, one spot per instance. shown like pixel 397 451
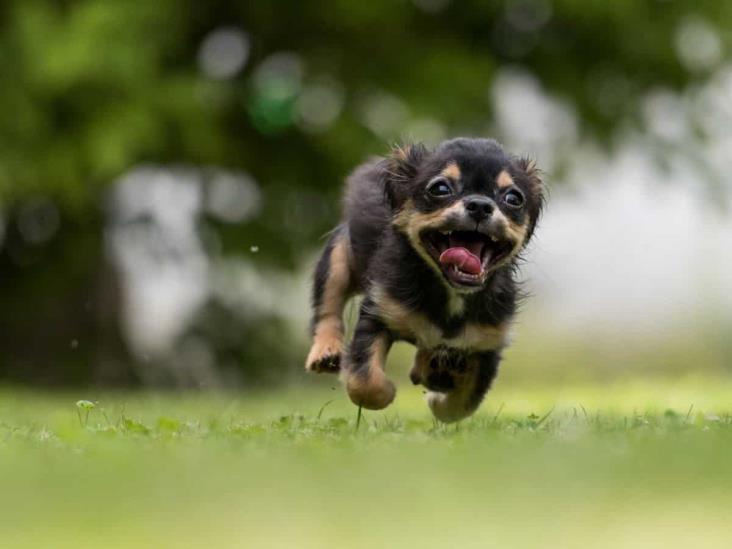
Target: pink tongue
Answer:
pixel 465 261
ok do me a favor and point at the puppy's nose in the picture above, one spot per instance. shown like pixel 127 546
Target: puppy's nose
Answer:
pixel 479 207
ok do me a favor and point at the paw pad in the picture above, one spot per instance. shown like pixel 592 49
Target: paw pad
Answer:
pixel 324 358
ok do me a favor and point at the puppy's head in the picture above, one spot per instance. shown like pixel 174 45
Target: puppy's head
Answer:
pixel 467 207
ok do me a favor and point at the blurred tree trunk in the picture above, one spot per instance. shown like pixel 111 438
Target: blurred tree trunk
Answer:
pixel 59 307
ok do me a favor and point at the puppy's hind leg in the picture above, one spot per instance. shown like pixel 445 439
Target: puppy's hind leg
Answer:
pixel 455 395
pixel 332 287
pixel 421 367
pixel 366 382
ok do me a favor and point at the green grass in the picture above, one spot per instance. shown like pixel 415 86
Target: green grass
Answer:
pixel 625 464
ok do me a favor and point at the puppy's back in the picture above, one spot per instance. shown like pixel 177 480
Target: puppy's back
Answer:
pixel 365 212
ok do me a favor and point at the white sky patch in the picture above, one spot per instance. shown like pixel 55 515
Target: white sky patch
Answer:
pixel 632 248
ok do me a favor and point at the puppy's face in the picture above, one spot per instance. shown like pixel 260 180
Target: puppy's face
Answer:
pixel 467 208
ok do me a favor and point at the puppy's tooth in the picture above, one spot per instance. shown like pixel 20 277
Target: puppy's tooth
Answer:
pixel 494 239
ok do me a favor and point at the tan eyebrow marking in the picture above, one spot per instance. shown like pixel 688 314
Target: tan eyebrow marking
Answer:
pixel 504 180
pixel 452 170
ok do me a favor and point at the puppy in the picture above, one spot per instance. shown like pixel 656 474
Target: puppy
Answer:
pixel 431 239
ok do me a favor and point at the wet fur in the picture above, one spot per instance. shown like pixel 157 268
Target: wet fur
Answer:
pixel 459 334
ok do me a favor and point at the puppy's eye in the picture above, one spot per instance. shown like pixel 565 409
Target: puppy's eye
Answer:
pixel 439 187
pixel 513 199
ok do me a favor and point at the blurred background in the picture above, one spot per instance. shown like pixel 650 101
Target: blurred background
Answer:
pixel 168 170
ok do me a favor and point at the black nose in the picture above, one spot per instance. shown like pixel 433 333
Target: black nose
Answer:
pixel 479 207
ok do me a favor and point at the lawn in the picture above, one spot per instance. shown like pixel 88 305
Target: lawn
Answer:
pixel 617 464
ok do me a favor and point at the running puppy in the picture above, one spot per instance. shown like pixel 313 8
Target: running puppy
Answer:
pixel 431 238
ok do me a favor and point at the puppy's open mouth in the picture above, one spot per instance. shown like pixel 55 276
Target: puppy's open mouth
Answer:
pixel 465 257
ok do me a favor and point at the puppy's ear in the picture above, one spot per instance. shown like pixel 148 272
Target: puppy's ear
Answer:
pixel 536 187
pixel 400 170
pixel 533 174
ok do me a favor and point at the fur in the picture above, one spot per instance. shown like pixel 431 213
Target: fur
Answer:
pixel 401 215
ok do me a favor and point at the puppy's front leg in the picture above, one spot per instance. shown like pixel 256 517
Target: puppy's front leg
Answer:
pixel 331 288
pixel 366 382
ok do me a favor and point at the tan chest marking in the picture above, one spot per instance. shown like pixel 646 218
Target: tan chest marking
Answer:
pixel 412 325
pixel 480 337
pixel 404 322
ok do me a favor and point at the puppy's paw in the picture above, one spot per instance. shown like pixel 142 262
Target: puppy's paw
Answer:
pixel 374 392
pixel 325 356
pixel 449 407
pixel 443 371
pixel 451 380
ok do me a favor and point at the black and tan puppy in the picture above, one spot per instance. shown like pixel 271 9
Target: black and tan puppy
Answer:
pixel 431 238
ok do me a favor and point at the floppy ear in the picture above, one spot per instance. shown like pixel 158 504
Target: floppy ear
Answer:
pixel 400 169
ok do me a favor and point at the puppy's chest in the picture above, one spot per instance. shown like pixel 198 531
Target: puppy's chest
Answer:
pixel 417 327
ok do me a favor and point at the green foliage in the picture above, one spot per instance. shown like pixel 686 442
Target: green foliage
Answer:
pixel 95 87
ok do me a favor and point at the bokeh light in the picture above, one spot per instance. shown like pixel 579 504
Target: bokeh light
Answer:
pixel 223 53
